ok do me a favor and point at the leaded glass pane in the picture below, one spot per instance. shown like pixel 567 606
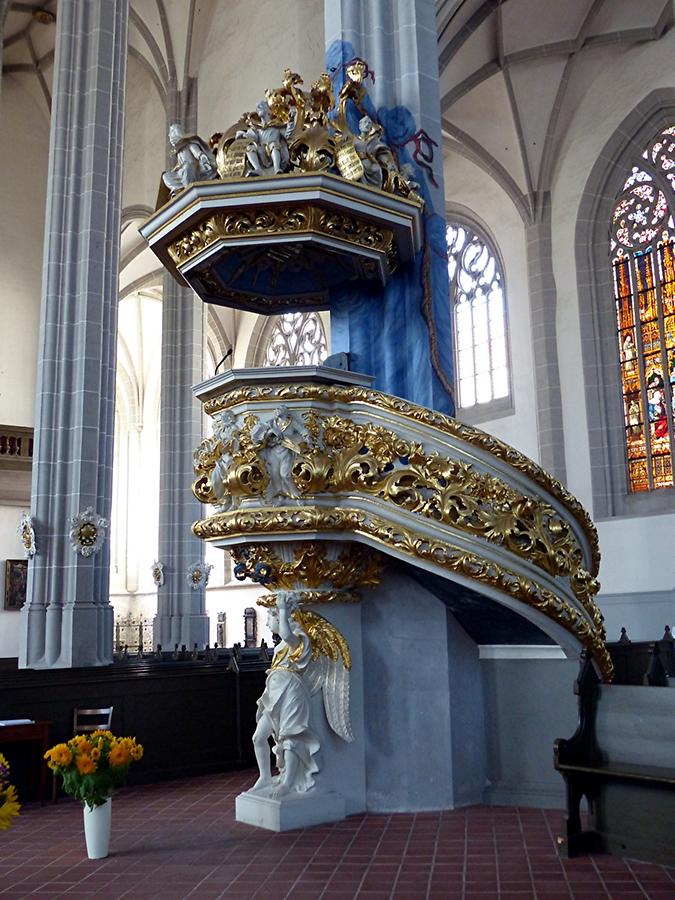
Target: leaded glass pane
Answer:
pixel 642 244
pixel 476 290
pixel 296 339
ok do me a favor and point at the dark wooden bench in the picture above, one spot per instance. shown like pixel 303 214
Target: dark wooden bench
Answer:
pixel 622 760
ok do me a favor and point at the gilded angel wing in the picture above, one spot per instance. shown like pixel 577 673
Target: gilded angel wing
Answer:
pixel 329 670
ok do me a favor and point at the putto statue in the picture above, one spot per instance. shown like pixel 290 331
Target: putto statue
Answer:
pixel 269 129
pixel 194 160
pixel 294 131
pixel 279 441
pixel 311 655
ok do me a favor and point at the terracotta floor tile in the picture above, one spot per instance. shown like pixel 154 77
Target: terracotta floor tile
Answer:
pixel 171 841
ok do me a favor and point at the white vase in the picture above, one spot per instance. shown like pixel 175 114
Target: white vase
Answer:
pixel 97 822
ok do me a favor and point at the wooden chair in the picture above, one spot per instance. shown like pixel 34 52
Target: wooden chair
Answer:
pixel 87 720
pixel 84 722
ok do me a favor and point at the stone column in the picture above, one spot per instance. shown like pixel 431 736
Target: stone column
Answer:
pixel 67 620
pixel 543 304
pixel 181 617
pixel 410 352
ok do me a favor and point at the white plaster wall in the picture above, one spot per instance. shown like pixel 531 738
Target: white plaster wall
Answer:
pixel 10 548
pixel 24 149
pixel 145 139
pixel 468 186
pixel 246 51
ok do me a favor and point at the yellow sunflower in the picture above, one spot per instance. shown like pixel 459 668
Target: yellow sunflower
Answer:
pixel 119 755
pixel 85 764
pixel 9 806
pixel 95 754
pixel 60 755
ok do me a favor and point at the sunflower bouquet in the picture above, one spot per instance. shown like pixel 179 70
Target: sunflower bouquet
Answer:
pixel 92 765
pixel 9 802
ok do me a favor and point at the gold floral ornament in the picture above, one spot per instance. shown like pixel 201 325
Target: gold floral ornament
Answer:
pixel 93 765
pixel 376 401
pixel 157 570
pixel 337 455
pixel 198 575
pixel 319 571
pixel 26 531
pixel 9 800
pixel 87 532
pixel 406 541
pixel 295 131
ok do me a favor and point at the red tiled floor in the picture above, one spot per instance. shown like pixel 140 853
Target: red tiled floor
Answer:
pixel 180 840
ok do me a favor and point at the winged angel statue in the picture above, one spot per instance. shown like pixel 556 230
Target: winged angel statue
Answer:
pixel 311 655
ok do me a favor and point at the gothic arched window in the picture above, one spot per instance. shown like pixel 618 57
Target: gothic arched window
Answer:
pixel 295 339
pixel 477 297
pixel 642 244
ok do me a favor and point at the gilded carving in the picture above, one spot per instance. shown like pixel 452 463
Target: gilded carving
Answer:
pixel 313 571
pixel 445 424
pixel 285 220
pixel 292 130
pixel 284 521
pixel 333 454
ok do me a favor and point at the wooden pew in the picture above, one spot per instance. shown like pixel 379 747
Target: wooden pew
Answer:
pixel 622 759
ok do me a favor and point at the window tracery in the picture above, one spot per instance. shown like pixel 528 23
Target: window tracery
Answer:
pixel 642 247
pixel 477 295
pixel 295 339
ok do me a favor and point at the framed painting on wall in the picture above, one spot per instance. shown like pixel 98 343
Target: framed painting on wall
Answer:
pixel 16 575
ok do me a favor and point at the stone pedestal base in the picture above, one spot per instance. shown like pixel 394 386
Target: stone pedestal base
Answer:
pixel 292 811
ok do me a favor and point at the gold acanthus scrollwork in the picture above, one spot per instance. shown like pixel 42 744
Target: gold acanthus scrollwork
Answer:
pixel 445 424
pixel 293 520
pixel 311 598
pixel 312 567
pixel 342 456
pixel 261 221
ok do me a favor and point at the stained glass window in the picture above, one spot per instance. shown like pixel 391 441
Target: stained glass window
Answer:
pixel 477 296
pixel 295 339
pixel 642 248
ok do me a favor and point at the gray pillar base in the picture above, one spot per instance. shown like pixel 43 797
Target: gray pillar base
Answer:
pixel 423 702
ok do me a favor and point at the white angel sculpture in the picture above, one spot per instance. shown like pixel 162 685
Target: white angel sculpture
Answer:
pixel 312 655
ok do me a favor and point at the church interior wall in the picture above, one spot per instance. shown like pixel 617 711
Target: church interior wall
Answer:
pixel 144 138
pixel 605 86
pixel 24 144
pixel 468 187
pixel 10 548
pixel 519 744
pixel 275 37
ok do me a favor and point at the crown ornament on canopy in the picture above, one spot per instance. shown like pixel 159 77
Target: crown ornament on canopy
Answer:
pixel 298 199
pixel 295 131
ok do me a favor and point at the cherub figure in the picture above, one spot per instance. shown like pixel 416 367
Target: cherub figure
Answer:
pixel 226 432
pixel 280 441
pixel 267 135
pixel 194 160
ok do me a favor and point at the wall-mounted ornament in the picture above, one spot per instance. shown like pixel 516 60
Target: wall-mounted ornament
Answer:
pixel 158 573
pixel 27 534
pixel 198 575
pixel 87 532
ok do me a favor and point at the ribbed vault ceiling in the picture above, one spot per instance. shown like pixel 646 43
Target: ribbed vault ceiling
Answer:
pixel 504 70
